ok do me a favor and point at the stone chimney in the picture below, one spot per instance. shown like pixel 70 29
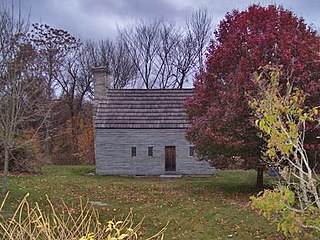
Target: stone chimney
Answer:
pixel 101 83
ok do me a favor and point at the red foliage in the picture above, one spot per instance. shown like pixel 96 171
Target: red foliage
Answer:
pixel 243 42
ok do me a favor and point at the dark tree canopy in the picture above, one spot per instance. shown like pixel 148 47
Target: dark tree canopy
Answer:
pixel 243 42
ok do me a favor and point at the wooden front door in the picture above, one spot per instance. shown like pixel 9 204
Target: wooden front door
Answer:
pixel 170 158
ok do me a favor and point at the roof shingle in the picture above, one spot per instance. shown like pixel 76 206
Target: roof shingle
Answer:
pixel 143 108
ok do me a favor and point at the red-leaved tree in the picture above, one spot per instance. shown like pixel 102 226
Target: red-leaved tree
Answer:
pixel 243 42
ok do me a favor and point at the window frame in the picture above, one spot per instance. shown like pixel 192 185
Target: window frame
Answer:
pixel 133 151
pixel 191 151
pixel 150 151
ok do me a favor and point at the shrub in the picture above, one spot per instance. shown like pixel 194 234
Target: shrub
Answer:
pixel 278 206
pixel 26 157
pixel 27 160
pixel 67 224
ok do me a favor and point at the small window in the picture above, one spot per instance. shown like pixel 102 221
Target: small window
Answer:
pixel 133 151
pixel 191 151
pixel 150 151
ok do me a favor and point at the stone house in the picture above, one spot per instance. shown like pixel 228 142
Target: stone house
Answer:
pixel 142 131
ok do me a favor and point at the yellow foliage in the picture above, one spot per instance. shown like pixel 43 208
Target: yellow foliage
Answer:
pixel 276 206
pixel 280 114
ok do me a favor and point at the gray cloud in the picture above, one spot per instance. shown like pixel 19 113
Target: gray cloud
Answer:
pixel 131 8
pixel 99 18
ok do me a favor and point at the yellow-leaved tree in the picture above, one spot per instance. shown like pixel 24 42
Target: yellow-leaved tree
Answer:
pixel 282 116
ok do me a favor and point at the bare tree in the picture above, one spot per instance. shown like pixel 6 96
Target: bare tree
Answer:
pixel 200 26
pixel 84 64
pixel 142 43
pixel 185 59
pixel 122 67
pixel 114 56
pixel 21 88
pixel 168 42
pixel 102 53
pixel 190 51
pixel 54 46
pixel 164 55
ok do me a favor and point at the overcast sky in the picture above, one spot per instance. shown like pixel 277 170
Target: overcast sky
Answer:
pixel 98 19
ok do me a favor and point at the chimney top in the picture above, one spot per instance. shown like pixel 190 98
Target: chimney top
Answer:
pixel 100 69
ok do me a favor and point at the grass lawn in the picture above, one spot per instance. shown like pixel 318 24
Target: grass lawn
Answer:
pixel 197 208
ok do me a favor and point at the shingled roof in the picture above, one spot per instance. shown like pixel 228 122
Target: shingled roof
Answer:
pixel 143 108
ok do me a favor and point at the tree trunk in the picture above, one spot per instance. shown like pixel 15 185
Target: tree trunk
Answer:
pixel 48 139
pixel 5 169
pixel 48 144
pixel 260 169
pixel 74 132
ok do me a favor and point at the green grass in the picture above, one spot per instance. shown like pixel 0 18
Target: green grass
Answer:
pixel 197 208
